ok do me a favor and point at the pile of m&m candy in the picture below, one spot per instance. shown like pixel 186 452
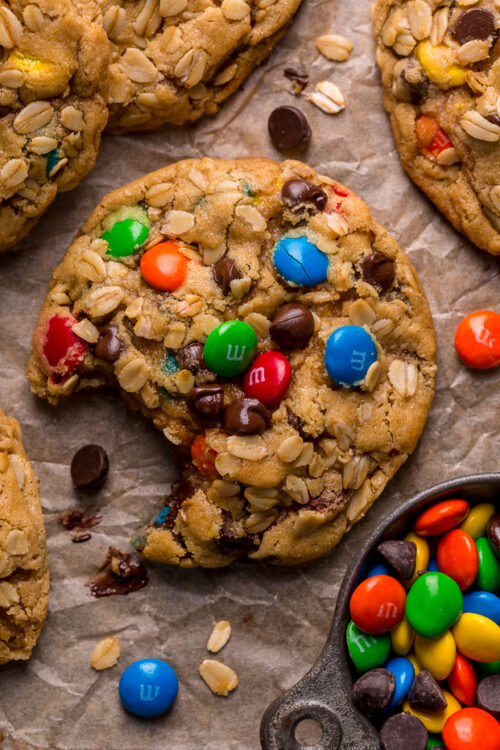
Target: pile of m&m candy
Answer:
pixel 425 632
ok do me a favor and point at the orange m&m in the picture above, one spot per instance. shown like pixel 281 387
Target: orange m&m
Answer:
pixel 164 267
pixel 203 456
pixel 457 556
pixel 471 729
pixel 378 604
pixel 477 339
pixel 441 517
pixel 463 681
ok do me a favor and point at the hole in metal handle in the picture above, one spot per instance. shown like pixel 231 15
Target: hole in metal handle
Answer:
pixel 280 731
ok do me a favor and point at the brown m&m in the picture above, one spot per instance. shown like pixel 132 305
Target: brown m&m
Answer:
pixel 292 326
pixel 378 270
pixel 246 416
pixel 206 403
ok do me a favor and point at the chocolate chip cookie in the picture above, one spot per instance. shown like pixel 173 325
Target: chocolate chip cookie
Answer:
pixel 441 78
pixel 274 331
pixel 175 60
pixel 53 86
pixel 24 571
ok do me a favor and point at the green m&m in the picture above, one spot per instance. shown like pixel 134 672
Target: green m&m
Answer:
pixel 433 604
pixel 488 577
pixel 367 651
pixel 125 237
pixel 230 348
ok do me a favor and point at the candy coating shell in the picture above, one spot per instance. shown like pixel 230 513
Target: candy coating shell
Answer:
pixel 472 729
pixel 483 603
pixel 488 577
pixel 349 353
pixel 300 262
pixel 377 604
pixel 422 555
pixel 441 517
pixel 434 721
pixel 148 687
pixel 125 237
pixel 404 673
pixel 433 604
pixel 477 339
pixel 436 655
pixel 457 557
pixel 230 348
pixel 402 637
pixel 463 681
pixel 477 637
pixel 475 523
pixel 164 267
pixel 268 378
pixel 367 651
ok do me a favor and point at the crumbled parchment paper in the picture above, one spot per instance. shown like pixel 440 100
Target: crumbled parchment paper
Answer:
pixel 279 617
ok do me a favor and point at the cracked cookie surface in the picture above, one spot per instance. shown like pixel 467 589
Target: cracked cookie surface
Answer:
pixel 24 571
pixel 53 87
pixel 440 67
pixel 278 459
pixel 175 60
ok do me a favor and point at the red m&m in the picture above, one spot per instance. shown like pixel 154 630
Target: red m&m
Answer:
pixel 164 267
pixel 268 379
pixel 477 339
pixel 378 604
pixel 61 349
pixel 457 557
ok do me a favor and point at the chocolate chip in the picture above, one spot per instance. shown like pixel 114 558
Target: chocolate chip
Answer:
pixel 190 357
pixel 488 695
pixel 402 556
pixel 246 416
pixel 425 693
pixel 373 691
pixel 297 194
pixel 378 270
pixel 495 119
pixel 206 403
pixel 288 128
pixel 475 23
pixel 292 326
pixel 300 80
pixel 89 467
pixel 403 731
pixel 225 271
pixel 109 347
pixel 493 531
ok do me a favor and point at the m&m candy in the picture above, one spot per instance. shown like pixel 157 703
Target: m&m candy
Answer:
pixel 61 350
pixel 230 348
pixel 164 267
pixel 148 687
pixel 350 352
pixel 268 378
pixel 125 237
pixel 477 339
pixel 444 651
pixel 299 262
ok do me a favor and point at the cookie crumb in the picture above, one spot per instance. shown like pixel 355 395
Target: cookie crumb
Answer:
pixel 220 678
pixel 105 654
pixel 334 47
pixel 219 636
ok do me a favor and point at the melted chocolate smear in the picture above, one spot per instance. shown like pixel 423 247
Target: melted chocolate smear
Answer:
pixel 181 489
pixel 299 80
pixel 75 519
pixel 120 573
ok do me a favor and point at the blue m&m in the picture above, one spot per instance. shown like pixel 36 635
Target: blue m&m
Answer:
pixel 148 687
pixel 300 262
pixel 350 352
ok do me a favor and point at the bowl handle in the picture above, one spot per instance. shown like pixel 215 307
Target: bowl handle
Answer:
pixel 324 696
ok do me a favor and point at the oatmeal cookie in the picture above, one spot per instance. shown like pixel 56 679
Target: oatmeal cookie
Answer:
pixel 274 331
pixel 24 571
pixel 440 69
pixel 53 87
pixel 175 60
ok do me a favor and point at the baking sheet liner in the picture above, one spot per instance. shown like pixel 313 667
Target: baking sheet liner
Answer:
pixel 280 617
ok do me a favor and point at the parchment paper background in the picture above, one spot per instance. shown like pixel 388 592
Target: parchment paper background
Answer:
pixel 280 618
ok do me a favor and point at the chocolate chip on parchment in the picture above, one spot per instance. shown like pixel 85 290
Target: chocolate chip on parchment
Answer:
pixel 288 128
pixel 296 193
pixel 246 416
pixel 403 730
pixel 292 326
pixel 109 347
pixel 206 402
pixel 400 555
pixel 488 695
pixel 378 270
pixel 89 467
pixel 425 693
pixel 299 80
pixel 225 271
pixel 373 691
pixel 475 23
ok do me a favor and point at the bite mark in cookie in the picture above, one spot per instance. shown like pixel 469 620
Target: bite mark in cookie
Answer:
pixel 292 365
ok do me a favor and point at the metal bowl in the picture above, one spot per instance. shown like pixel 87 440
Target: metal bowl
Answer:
pixel 324 693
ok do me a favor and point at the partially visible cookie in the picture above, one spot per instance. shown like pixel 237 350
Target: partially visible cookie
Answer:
pixel 440 69
pixel 175 60
pixel 274 331
pixel 24 571
pixel 53 87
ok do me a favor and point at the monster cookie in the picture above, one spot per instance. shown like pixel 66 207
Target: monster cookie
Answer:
pixel 24 571
pixel 53 87
pixel 439 61
pixel 174 60
pixel 270 327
